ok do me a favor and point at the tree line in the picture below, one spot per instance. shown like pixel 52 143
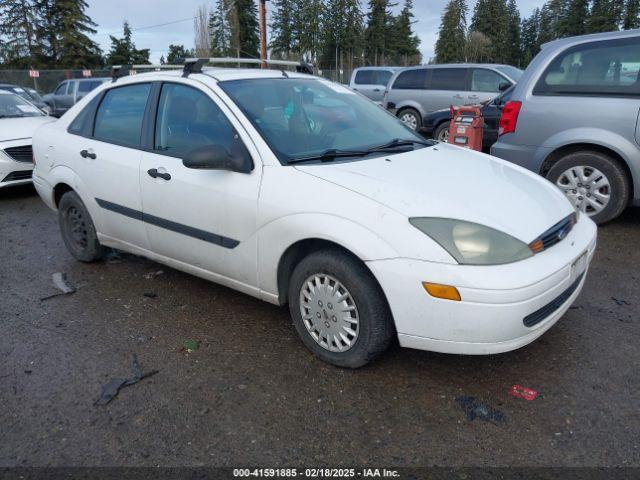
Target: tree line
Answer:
pixel 333 34
pixel 497 34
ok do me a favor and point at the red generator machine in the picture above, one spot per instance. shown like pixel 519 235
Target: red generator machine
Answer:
pixel 466 127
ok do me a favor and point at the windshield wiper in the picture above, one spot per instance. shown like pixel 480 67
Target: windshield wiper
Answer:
pixel 330 155
pixel 398 143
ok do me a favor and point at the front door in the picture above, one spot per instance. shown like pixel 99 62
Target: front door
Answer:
pixel 203 218
pixel 109 164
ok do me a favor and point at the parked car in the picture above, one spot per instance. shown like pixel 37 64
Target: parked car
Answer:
pixel 372 81
pixel 436 124
pixel 417 91
pixel 19 118
pixel 28 94
pixel 299 191
pixel 573 119
pixel 69 92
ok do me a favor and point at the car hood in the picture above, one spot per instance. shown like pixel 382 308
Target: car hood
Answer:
pixel 452 182
pixel 18 128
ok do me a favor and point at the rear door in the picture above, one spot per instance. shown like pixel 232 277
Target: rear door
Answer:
pixel 484 85
pixel 108 163
pixel 447 86
pixel 203 218
pixel 58 95
pixel 364 82
pixel 65 101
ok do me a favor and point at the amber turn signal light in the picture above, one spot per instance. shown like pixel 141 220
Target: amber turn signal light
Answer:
pixel 537 246
pixel 446 292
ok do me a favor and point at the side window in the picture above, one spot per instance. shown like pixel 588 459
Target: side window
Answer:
pixel 382 77
pixel 188 119
pixel 120 114
pixel 599 68
pixel 411 80
pixel 364 77
pixel 79 125
pixel 448 79
pixel 486 80
pixel 62 89
pixel 86 87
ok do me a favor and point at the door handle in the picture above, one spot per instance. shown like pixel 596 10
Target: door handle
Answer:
pixel 153 173
pixel 88 154
pixel 376 89
pixel 457 95
pixel 473 96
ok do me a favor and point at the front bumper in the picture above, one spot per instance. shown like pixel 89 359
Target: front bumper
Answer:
pixel 490 318
pixel 12 172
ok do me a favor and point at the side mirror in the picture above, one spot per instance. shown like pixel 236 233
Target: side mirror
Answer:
pixel 503 86
pixel 216 157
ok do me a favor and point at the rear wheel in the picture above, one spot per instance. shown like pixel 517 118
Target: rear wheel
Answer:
pixel 339 310
pixel 411 118
pixel 594 182
pixel 442 132
pixel 78 231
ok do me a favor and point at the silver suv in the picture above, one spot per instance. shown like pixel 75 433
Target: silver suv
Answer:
pixel 573 119
pixel 416 91
pixel 372 81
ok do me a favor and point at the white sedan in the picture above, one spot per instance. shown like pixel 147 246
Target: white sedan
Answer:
pixel 18 120
pixel 297 191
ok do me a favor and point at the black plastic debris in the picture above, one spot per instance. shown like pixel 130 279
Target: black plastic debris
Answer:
pixel 111 389
pixel 476 409
pixel 620 301
pixel 61 283
pixel 150 295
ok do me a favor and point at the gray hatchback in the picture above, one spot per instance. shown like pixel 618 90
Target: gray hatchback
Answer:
pixel 573 118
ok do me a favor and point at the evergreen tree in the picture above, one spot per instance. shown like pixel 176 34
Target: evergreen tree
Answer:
pixel 308 28
pixel 77 50
pixel 177 54
pixel 124 52
pixel 18 27
pixel 450 46
pixel 529 37
pixel 631 15
pixel 605 16
pixel 221 29
pixel 246 36
pixel 491 17
pixel 404 43
pixel 514 53
pixel 376 32
pixel 577 14
pixel 282 29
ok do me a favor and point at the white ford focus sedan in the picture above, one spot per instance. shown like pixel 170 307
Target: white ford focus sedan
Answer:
pixel 299 191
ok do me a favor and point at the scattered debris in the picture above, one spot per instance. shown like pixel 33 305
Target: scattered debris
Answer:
pixel 28 372
pixel 620 301
pixel 150 295
pixel 149 276
pixel 114 256
pixel 190 346
pixel 476 409
pixel 60 282
pixel 523 392
pixel 111 389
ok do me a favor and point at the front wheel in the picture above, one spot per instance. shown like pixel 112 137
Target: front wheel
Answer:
pixel 339 310
pixel 442 132
pixel 411 118
pixel 595 184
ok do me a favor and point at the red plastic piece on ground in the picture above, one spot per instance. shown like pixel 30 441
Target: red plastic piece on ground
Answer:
pixel 523 392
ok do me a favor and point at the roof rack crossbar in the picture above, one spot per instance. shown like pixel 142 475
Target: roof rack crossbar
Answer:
pixel 193 65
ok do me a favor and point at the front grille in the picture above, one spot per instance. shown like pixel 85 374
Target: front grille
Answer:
pixel 557 233
pixel 539 315
pixel 18 175
pixel 20 154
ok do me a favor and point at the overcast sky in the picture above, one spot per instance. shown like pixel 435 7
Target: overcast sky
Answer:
pixel 178 14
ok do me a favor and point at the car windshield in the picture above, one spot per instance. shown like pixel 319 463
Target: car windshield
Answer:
pixel 12 105
pixel 512 72
pixel 307 119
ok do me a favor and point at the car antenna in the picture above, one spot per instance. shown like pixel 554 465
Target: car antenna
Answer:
pixel 193 65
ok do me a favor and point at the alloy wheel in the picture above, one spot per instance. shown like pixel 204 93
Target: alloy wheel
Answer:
pixel 329 313
pixel 410 120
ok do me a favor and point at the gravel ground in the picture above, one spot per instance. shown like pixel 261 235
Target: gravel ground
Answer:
pixel 251 394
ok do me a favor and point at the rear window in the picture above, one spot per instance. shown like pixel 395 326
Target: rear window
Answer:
pixel 86 87
pixel 120 114
pixel 411 80
pixel 610 67
pixel 364 77
pixel 448 79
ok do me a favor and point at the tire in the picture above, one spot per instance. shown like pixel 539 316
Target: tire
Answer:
pixel 78 231
pixel 604 175
pixel 411 118
pixel 374 328
pixel 442 132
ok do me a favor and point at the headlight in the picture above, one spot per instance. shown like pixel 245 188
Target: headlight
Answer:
pixel 473 244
